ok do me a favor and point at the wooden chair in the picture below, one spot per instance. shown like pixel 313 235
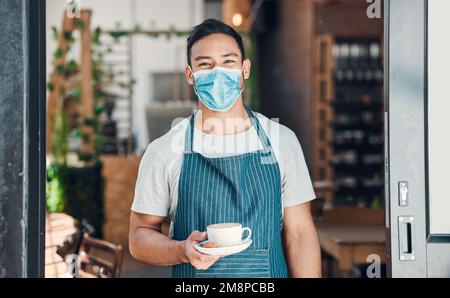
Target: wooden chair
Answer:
pixel 100 258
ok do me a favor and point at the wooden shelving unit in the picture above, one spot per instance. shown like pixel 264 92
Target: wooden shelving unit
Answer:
pixel 322 111
pixel 55 98
pixel 348 120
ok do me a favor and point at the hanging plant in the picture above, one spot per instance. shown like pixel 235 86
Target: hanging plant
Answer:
pixel 72 5
pixel 75 93
pixel 55 33
pixel 152 34
pixel 137 28
pixel 70 68
pixel 99 109
pixel 58 53
pixel 116 35
pixel 55 192
pixel 68 36
pixel 50 86
pixel 79 24
pixel 60 134
pixel 96 36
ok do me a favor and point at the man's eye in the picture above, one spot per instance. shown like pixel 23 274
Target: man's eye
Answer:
pixel 229 61
pixel 203 64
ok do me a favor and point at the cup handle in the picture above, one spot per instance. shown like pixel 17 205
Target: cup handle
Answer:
pixel 249 233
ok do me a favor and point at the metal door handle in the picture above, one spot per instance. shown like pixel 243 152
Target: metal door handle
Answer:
pixel 406 238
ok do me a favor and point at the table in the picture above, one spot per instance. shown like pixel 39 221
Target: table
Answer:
pixel 351 243
pixel 58 227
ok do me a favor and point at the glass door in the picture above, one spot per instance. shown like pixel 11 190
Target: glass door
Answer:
pixel 417 142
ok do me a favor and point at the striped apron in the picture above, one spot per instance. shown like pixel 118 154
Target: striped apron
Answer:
pixel 245 189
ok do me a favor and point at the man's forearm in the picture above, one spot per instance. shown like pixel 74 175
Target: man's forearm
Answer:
pixel 303 254
pixel 155 248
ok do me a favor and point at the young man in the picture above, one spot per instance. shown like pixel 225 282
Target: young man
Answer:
pixel 224 164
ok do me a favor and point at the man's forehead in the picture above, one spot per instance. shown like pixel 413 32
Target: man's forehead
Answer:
pixel 217 44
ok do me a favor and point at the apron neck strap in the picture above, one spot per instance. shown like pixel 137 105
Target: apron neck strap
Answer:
pixel 261 133
pixel 188 144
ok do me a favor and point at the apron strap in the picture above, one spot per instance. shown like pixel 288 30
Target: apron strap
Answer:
pixel 189 136
pixel 188 144
pixel 261 133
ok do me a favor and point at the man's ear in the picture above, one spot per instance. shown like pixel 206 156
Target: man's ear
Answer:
pixel 188 74
pixel 246 68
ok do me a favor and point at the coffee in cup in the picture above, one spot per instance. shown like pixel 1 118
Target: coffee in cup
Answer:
pixel 227 234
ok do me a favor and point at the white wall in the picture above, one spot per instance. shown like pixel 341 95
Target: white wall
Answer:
pixel 149 55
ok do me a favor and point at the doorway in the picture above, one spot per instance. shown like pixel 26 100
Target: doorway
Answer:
pixel 416 63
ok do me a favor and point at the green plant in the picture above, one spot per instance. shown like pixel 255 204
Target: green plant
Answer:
pixel 60 135
pixel 82 189
pixel 77 191
pixel 55 195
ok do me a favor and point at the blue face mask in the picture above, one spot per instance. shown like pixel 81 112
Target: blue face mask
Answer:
pixel 218 88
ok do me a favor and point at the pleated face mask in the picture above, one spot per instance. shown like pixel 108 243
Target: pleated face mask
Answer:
pixel 218 88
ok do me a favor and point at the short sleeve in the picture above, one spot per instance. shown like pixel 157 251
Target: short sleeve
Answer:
pixel 151 195
pixel 297 187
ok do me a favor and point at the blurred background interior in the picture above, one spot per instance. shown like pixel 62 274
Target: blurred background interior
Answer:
pixel 116 82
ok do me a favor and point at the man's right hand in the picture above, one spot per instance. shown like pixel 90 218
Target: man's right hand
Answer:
pixel 197 259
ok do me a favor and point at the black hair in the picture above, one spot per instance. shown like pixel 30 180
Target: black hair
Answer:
pixel 208 27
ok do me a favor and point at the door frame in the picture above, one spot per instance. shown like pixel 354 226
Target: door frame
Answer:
pixel 405 136
pixel 36 134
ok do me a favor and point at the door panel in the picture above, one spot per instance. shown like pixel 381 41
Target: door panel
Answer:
pixel 405 138
pixel 438 109
pixel 438 244
pixel 417 155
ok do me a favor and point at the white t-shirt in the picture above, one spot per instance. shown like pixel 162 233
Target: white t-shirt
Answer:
pixel 156 191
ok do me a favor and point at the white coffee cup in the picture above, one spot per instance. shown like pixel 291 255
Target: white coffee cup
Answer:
pixel 227 234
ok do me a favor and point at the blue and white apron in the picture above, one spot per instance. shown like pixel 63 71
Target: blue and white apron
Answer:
pixel 245 189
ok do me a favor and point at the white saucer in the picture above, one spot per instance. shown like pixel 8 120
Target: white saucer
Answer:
pixel 223 251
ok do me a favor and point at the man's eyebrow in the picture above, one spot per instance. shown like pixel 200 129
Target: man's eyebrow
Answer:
pixel 230 54
pixel 201 58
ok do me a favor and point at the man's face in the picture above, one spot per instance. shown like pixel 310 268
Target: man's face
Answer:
pixel 217 50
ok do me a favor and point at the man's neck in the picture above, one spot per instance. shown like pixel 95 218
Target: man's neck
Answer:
pixel 233 121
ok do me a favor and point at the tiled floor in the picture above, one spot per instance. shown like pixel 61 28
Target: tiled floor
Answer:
pixel 132 268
